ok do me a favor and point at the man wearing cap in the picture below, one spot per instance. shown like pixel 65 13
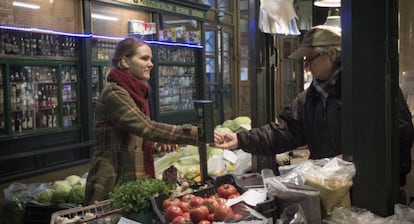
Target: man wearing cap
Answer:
pixel 314 117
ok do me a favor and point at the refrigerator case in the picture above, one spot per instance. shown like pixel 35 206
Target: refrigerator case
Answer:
pixel 35 100
pixel 175 84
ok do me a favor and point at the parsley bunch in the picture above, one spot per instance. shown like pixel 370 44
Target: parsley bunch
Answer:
pixel 134 196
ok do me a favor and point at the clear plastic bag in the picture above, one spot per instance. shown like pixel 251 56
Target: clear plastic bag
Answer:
pixel 332 177
pixel 278 17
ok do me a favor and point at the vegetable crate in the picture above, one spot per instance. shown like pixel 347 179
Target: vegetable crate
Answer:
pixel 98 213
pixel 266 208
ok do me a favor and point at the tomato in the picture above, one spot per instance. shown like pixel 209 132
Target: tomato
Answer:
pixel 236 195
pixel 211 204
pixel 221 201
pixel 172 212
pixel 184 205
pixel 204 222
pixel 225 190
pixel 187 197
pixel 198 214
pixel 186 216
pixel 196 201
pixel 210 217
pixel 179 220
pixel 170 201
pixel 221 212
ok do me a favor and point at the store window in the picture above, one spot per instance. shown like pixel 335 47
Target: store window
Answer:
pixel 110 21
pixel 52 14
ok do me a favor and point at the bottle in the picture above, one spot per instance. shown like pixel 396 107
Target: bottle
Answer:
pixel 30 121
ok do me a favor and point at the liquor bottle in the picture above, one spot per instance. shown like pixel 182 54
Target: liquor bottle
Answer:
pixel 27 46
pixel 29 121
pixel 24 122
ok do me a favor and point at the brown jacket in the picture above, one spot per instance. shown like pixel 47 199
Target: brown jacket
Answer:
pixel 120 131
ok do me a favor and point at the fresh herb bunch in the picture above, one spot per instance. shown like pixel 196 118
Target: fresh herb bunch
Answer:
pixel 134 196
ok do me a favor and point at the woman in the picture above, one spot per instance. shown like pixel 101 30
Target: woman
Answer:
pixel 123 129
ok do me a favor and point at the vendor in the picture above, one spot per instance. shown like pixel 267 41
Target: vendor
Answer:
pixel 314 118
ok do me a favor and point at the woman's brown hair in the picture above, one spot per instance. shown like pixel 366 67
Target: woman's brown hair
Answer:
pixel 125 48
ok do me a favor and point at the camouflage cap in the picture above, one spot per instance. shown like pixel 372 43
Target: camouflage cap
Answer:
pixel 317 36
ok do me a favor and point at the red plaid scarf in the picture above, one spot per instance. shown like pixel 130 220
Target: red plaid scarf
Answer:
pixel 139 91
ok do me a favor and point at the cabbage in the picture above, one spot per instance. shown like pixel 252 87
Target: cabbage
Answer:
pixel 77 194
pixel 44 196
pixel 242 120
pixel 81 182
pixel 73 179
pixel 238 124
pixel 165 162
pixel 189 150
pixel 211 151
pixel 62 189
pixel 223 130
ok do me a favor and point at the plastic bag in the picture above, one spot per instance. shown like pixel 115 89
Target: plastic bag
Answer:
pixel 332 177
pixel 287 194
pixel 243 162
pixel 354 215
pixel 292 214
pixel 16 196
pixel 278 17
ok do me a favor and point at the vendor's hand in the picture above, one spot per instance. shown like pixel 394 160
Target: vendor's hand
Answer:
pixel 225 141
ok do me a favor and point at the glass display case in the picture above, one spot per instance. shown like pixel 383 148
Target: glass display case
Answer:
pixel 175 83
pixel 39 76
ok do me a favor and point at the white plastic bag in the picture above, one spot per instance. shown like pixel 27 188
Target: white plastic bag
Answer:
pixel 278 17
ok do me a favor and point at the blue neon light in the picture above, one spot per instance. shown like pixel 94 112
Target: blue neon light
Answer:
pixel 37 30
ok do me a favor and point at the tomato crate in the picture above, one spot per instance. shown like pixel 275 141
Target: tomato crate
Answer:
pixel 98 213
pixel 266 208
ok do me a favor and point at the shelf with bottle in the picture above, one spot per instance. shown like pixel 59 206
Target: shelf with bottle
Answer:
pixel 175 55
pixel 2 115
pixel 103 49
pixel 176 88
pixel 39 99
pixel 23 43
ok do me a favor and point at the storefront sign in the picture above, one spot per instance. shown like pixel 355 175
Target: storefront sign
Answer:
pixel 140 27
pixel 165 6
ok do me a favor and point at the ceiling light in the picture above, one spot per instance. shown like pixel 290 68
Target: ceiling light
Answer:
pixel 327 3
pixel 25 5
pixel 104 17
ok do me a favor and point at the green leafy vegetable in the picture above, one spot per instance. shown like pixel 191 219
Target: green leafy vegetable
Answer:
pixel 134 196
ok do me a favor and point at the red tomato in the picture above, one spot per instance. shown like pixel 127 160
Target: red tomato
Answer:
pixel 221 201
pixel 184 205
pixel 187 197
pixel 210 217
pixel 221 212
pixel 170 201
pixel 236 195
pixel 179 220
pixel 211 204
pixel 198 214
pixel 196 201
pixel 172 212
pixel 226 190
pixel 186 216
pixel 204 222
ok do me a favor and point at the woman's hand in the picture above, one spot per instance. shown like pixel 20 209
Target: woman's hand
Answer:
pixel 161 148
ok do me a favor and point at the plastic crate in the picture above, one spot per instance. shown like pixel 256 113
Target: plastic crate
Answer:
pixel 36 213
pixel 266 208
pixel 100 212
